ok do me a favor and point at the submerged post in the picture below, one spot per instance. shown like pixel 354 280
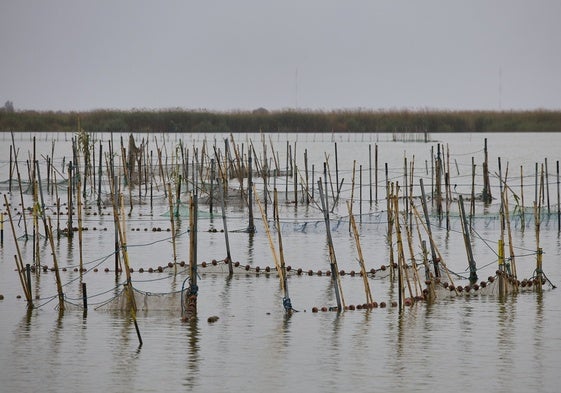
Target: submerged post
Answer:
pixel 84 296
pixel 192 291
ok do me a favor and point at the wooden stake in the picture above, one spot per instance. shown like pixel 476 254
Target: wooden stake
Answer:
pixel 522 208
pixel 376 172
pixel 55 264
pixel 486 195
pixel 227 240
pixel 467 242
pixel 250 190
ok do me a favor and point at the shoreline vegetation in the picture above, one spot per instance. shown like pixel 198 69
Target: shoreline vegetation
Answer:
pixel 263 120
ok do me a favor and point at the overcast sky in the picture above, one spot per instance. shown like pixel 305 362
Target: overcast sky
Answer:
pixel 316 54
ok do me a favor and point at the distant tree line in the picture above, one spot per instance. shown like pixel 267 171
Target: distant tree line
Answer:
pixel 200 121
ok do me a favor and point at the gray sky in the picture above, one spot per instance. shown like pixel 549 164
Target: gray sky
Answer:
pixel 315 54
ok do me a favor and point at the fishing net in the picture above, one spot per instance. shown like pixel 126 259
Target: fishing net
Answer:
pixel 182 210
pixel 145 301
pixel 221 267
pixel 494 286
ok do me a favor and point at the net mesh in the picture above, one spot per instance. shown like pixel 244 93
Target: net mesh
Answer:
pixel 145 301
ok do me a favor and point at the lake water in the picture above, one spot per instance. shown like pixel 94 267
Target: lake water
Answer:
pixel 478 342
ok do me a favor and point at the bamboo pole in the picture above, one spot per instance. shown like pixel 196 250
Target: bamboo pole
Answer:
pixel 360 193
pixel 367 291
pixel 522 208
pixel 433 244
pixel 547 185
pixel 411 183
pixel 20 189
pixel 128 286
pixel 336 279
pixel 370 173
pixel 282 271
pixel 336 197
pixel 409 236
pixel 435 259
pixel 352 191
pixel 172 224
pixel 389 213
pixel 286 173
pixel 448 199
pixel 539 251
pixel 18 259
pixel 191 307
pixel 55 264
pixel 472 200
pixel 467 242
pixel 80 247
pixel 307 183
pixel 405 183
pixel 250 191
pixel 428 274
pixel 40 187
pixel 70 192
pixel 438 179
pixel 512 266
pixel 226 238
pixel 401 262
pixel 558 202
pixel 376 172
pixel 270 238
pixel 11 171
pixel 35 217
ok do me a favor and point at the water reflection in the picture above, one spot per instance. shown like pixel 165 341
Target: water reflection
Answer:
pixel 250 247
pixel 538 344
pixel 193 357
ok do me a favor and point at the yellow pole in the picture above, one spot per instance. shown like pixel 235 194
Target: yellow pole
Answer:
pixel 369 299
pixel 501 250
pixel 271 243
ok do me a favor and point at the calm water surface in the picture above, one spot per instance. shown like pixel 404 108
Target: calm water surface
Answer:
pixel 474 343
